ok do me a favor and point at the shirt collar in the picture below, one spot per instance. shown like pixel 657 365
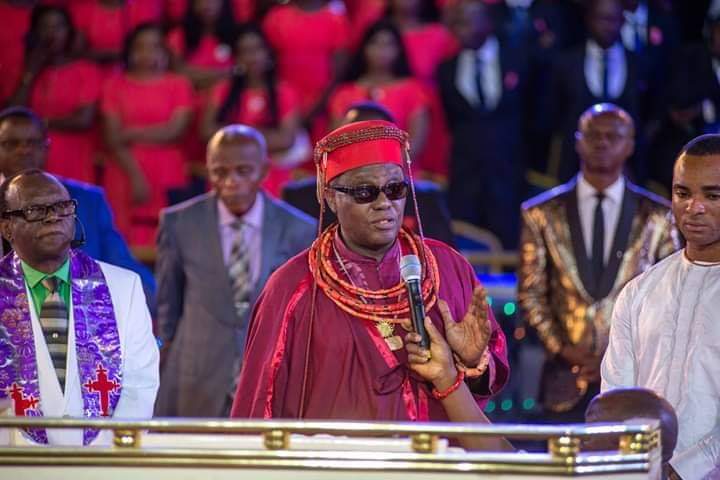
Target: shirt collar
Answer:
pixel 33 277
pixel 252 217
pixel 614 192
pixel 489 50
pixel 639 16
pixel 594 49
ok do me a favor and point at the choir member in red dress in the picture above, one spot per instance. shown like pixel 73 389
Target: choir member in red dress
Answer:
pixel 310 38
pixel 380 72
pixel 202 46
pixel 254 96
pixel 428 43
pixel 104 24
pixel 327 337
pixel 63 89
pixel 146 111
pixel 16 21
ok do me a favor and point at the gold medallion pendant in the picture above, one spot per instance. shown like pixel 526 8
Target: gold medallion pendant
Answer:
pixel 387 330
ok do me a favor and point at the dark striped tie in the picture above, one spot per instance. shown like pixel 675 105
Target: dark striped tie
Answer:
pixel 54 322
pixel 239 269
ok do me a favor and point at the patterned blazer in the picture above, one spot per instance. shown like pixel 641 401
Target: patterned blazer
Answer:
pixel 556 290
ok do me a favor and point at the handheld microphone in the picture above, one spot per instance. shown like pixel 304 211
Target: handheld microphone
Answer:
pixel 410 270
pixel 80 241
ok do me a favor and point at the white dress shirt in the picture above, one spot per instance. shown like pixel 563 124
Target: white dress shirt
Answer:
pixel 140 364
pixel 253 219
pixel 611 205
pixel 491 74
pixel 617 69
pixel 665 336
pixel 635 23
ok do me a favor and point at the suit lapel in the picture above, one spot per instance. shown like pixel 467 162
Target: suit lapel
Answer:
pixel 576 237
pixel 620 242
pixel 272 228
pixel 209 224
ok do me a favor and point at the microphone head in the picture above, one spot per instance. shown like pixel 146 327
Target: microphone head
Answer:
pixel 410 268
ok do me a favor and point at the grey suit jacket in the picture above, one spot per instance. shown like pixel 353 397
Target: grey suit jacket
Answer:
pixel 196 315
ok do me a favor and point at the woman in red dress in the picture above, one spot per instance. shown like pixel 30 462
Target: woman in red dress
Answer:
pixel 146 111
pixel 201 50
pixel 201 46
pixel 310 38
pixel 428 43
pixel 63 90
pixel 104 24
pixel 255 97
pixel 380 72
pixel 16 21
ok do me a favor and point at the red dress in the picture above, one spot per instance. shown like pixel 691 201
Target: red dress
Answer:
pixel 105 28
pixel 139 103
pixel 353 374
pixel 58 91
pixel 254 111
pixel 210 54
pixel 16 21
pixel 427 47
pixel 305 43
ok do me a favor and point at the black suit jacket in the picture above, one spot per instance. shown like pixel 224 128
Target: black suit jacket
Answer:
pixel 571 97
pixel 488 148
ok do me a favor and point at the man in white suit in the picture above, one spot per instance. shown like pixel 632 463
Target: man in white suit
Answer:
pixel 75 334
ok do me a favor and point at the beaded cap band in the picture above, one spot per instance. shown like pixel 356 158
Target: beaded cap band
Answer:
pixel 385 130
pixel 359 144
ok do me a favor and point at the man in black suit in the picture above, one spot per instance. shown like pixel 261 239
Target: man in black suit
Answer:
pixel 601 70
pixel 482 91
pixel 694 97
pixel 651 33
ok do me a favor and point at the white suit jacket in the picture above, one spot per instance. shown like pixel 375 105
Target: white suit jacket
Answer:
pixel 140 363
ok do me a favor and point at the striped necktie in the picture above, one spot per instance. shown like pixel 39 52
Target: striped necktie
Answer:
pixel 54 322
pixel 239 269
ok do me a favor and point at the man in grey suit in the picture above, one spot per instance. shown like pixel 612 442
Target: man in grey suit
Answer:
pixel 215 253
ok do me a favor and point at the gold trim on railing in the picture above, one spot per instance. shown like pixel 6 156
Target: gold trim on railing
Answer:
pixel 639 448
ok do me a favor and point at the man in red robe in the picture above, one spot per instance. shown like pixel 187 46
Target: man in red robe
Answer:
pixel 326 338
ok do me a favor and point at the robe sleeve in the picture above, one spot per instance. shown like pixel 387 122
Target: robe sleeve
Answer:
pixel 498 371
pixel 701 460
pixel 619 365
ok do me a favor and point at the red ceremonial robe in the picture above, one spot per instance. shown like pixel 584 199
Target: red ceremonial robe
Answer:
pixel 352 374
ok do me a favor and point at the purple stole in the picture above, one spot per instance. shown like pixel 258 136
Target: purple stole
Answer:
pixel 97 343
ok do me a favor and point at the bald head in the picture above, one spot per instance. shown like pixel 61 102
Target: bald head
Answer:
pixel 238 134
pixel 624 404
pixel 610 111
pixel 605 139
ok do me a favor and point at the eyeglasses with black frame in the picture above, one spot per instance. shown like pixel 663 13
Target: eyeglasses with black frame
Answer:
pixel 38 213
pixel 368 193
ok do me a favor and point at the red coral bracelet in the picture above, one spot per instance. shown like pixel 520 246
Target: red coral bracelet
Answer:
pixel 441 395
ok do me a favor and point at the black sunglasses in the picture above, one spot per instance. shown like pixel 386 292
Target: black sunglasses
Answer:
pixel 38 213
pixel 368 193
